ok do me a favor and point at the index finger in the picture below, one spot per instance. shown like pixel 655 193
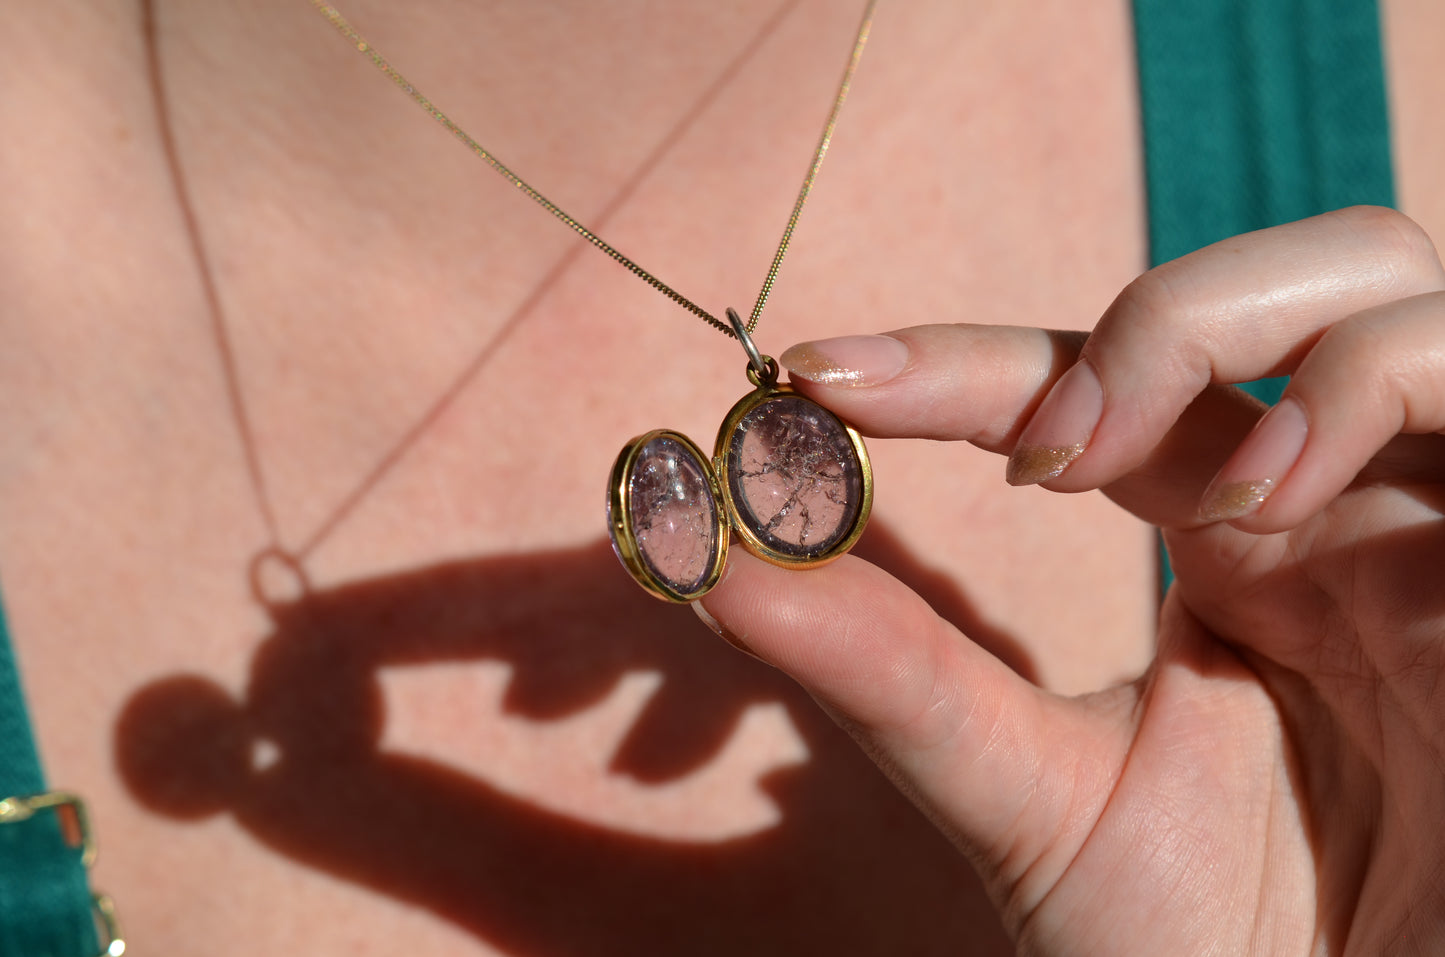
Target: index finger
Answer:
pixel 952 382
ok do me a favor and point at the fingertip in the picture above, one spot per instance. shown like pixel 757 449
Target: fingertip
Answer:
pixel 847 361
pixel 835 629
pixel 1036 464
pixel 946 382
pixel 717 628
pixel 1261 464
pixel 1060 431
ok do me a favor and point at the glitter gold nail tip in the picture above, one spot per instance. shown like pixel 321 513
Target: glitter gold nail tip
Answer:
pixel 1030 465
pixel 1235 500
pixel 847 360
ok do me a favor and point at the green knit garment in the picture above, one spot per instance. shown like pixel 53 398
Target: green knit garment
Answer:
pixel 1256 113
pixel 45 905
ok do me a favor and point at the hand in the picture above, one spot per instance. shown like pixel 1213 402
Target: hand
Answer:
pixel 1274 783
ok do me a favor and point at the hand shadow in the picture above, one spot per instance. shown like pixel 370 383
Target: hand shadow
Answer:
pixel 851 867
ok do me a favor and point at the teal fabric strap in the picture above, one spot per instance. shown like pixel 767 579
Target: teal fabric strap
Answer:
pixel 45 903
pixel 1256 113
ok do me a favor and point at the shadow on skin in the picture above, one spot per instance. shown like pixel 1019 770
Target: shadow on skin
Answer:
pixel 851 868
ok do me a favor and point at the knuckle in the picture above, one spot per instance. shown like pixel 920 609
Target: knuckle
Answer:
pixel 1402 246
pixel 1386 361
pixel 1157 297
pixel 1160 311
pixel 1354 351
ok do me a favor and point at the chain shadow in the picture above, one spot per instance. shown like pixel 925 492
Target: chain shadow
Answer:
pixel 851 867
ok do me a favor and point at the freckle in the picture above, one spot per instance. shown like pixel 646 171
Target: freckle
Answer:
pixel 122 134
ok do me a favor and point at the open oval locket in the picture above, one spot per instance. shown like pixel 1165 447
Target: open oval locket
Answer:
pixel 789 477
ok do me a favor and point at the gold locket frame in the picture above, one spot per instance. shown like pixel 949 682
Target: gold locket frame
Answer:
pixel 727 515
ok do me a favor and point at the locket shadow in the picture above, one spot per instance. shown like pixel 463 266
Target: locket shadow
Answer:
pixel 850 868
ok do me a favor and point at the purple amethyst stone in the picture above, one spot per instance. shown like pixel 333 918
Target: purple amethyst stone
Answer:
pixel 794 476
pixel 673 514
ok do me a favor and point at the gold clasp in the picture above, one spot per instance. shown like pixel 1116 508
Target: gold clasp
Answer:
pixel 75 827
pixel 75 823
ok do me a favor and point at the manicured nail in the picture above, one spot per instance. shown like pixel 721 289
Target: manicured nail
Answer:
pixel 847 360
pixel 1260 463
pixel 1060 429
pixel 720 631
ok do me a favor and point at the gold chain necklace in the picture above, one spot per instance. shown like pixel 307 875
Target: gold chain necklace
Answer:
pixel 789 477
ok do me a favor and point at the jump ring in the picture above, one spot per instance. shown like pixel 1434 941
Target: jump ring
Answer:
pixel 754 356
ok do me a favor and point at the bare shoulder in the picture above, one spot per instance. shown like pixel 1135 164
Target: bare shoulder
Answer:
pixel 1416 76
pixel 89 208
pixel 78 98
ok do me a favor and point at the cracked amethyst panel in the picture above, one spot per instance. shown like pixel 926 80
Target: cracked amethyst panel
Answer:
pixel 794 476
pixel 673 514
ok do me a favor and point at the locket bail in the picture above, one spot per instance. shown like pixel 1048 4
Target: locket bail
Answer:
pixel 790 478
pixel 762 370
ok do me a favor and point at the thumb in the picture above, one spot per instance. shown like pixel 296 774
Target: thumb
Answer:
pixel 1012 774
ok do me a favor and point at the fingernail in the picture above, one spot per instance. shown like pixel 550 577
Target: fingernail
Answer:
pixel 720 631
pixel 1260 463
pixel 847 360
pixel 1060 429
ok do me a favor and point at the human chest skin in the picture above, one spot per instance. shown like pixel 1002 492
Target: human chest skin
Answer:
pixel 392 356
